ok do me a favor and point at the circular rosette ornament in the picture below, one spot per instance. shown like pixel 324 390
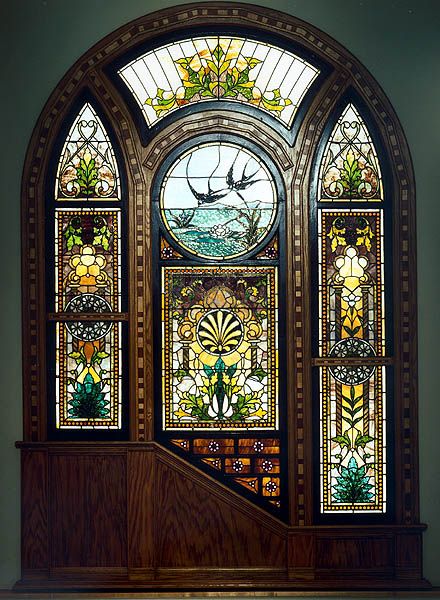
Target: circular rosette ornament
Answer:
pixel 352 348
pixel 88 331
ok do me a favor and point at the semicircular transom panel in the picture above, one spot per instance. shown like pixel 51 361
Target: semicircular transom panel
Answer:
pixel 224 68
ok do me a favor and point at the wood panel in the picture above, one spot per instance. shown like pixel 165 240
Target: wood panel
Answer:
pixel 409 556
pixel 141 492
pixel 34 524
pixel 196 529
pixel 354 552
pixel 88 510
pixel 301 555
pixel 184 529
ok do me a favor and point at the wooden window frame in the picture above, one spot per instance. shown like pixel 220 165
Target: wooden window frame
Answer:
pixel 307 552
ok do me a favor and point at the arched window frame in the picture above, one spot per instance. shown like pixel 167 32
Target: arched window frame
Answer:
pixel 342 72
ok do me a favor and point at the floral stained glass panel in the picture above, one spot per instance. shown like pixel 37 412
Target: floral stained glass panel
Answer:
pixel 87 168
pixel 218 201
pixel 88 375
pixel 220 348
pixel 351 283
pixel 352 336
pixel 353 448
pixel 88 352
pixel 218 68
pixel 350 168
pixel 87 260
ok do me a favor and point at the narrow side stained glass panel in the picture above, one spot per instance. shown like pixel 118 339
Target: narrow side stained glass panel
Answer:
pixel 353 448
pixel 87 168
pixel 351 336
pixel 350 168
pixel 87 260
pixel 351 283
pixel 220 348
pixel 88 351
pixel 218 68
pixel 88 375
pixel 87 280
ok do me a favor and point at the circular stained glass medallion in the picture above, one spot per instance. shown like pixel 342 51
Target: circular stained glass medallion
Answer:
pixel 218 200
pixel 88 330
pixel 352 348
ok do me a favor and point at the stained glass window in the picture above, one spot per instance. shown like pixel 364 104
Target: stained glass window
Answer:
pixel 220 348
pixel 350 170
pixel 351 333
pixel 219 201
pixel 87 169
pixel 88 375
pixel 218 68
pixel 87 280
pixel 251 464
pixel 351 288
pixel 219 299
pixel 88 260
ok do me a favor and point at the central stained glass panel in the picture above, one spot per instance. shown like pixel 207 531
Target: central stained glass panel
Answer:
pixel 218 201
pixel 220 348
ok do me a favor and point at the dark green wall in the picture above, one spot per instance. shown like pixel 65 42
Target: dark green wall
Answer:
pixel 397 40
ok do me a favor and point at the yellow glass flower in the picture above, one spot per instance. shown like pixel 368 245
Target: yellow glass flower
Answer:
pixel 87 269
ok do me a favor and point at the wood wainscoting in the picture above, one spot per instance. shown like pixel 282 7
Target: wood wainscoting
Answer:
pixel 134 516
